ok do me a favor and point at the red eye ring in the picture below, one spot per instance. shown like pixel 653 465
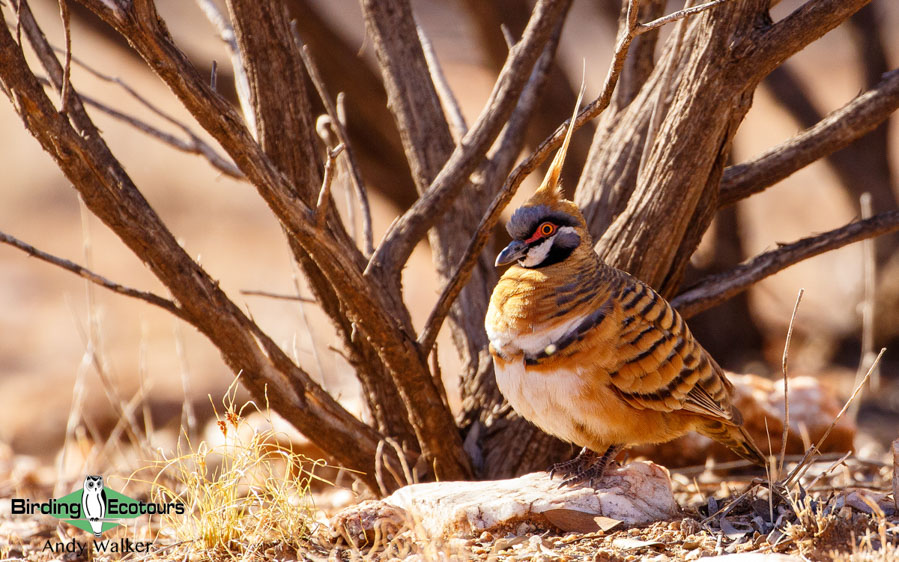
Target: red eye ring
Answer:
pixel 547 229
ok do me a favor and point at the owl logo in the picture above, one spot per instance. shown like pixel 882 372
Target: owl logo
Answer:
pixel 93 502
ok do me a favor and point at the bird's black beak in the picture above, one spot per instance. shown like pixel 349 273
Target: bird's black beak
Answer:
pixel 514 251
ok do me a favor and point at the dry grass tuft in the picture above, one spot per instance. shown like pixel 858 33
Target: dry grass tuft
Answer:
pixel 246 498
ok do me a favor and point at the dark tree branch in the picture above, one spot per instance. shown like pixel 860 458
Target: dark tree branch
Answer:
pixel 405 233
pixel 412 97
pixel 718 288
pixel 405 403
pixel 834 132
pixel 780 41
pixel 80 271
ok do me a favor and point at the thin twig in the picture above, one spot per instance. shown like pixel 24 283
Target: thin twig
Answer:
pixel 195 145
pixel 192 146
pixel 241 81
pixel 718 288
pixel 324 196
pixel 803 465
pixel 444 92
pixel 507 36
pixel 462 273
pixel 829 469
pixel 91 276
pixel 276 296
pixel 870 269
pixel 67 66
pixel 783 367
pixel 642 28
pixel 338 124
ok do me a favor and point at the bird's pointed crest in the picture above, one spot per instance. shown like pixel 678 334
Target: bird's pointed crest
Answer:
pixel 551 190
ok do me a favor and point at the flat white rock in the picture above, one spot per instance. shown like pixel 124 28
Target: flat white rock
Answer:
pixel 637 493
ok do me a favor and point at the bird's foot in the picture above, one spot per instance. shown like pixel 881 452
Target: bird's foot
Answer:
pixel 586 467
pixel 574 466
pixel 591 474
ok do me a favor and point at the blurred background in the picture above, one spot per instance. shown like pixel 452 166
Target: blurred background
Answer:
pixel 56 330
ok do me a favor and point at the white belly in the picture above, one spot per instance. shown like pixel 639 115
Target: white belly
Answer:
pixel 510 342
pixel 548 400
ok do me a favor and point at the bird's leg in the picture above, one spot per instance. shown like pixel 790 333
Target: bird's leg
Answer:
pixel 575 465
pixel 593 472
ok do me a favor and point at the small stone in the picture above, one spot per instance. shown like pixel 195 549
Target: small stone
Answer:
pixel 691 543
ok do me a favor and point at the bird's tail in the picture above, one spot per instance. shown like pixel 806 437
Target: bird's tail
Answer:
pixel 735 438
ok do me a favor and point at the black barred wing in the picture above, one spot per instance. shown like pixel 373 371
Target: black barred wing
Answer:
pixel 659 365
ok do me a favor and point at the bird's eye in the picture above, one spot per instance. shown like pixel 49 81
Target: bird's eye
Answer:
pixel 547 229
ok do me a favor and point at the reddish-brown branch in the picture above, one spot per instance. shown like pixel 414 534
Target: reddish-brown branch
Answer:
pixel 832 133
pixel 286 133
pixel 718 288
